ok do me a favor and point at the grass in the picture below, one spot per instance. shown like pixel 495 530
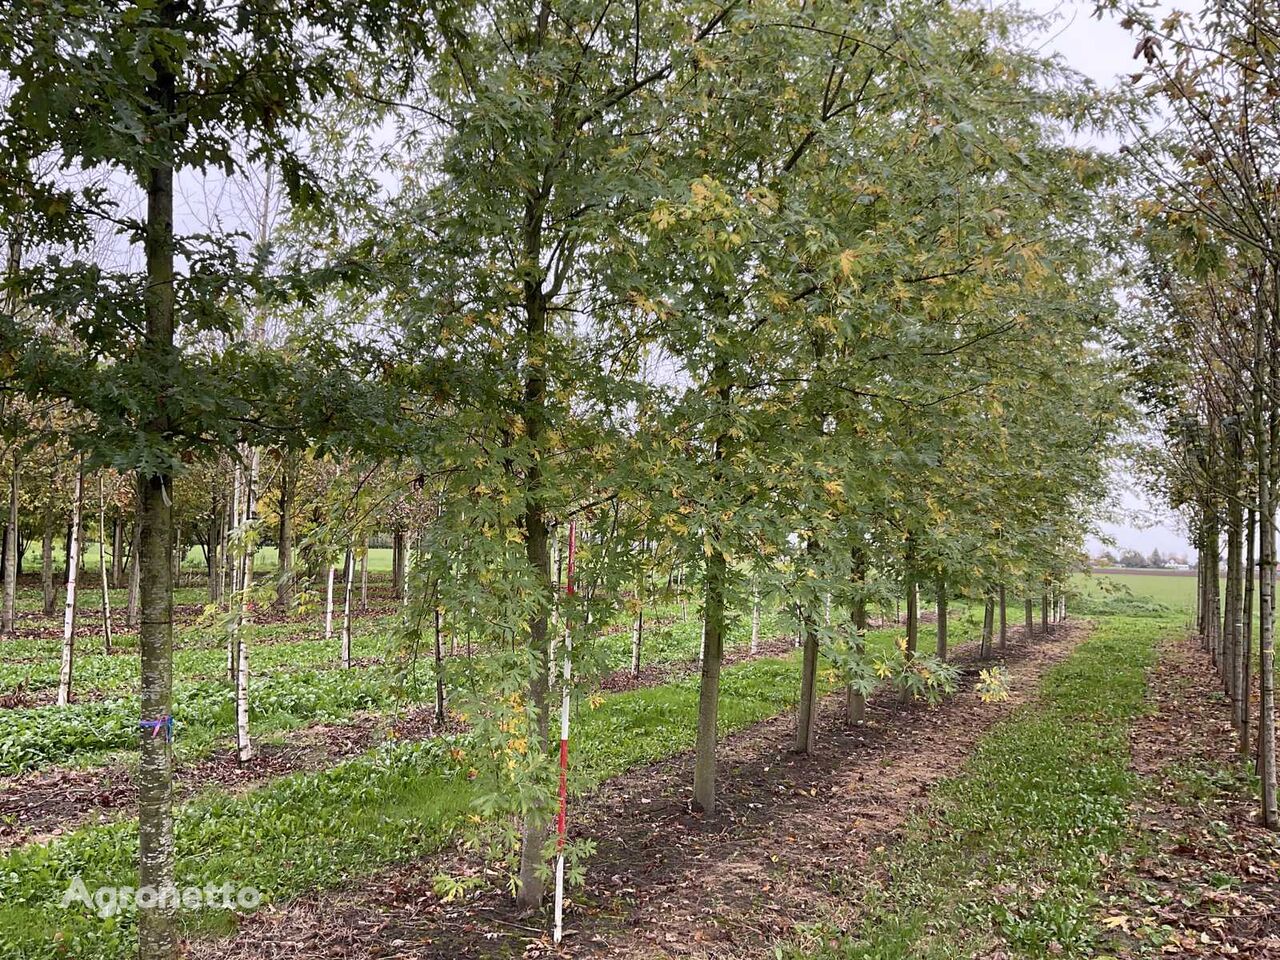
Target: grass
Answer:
pixel 1009 854
pixel 266 559
pixel 1177 593
pixel 317 830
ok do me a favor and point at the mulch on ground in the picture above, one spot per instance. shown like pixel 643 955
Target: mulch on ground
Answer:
pixel 1201 875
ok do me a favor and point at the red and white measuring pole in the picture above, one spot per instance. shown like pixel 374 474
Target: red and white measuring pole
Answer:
pixel 561 822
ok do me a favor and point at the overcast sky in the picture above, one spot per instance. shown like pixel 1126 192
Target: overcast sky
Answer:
pixel 1104 51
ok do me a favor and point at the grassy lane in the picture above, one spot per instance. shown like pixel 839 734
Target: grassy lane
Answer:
pixel 1009 854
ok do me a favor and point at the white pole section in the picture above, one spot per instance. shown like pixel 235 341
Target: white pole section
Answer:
pixel 561 823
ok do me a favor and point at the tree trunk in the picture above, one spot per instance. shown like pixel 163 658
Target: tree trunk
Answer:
pixel 1213 611
pixel 1029 612
pixel 439 658
pixel 133 604
pixel 244 743
pixel 364 575
pixel 47 588
pixel 11 552
pixel 236 521
pixel 1231 625
pixel 755 623
pixel 1199 611
pixel 913 608
pixel 102 567
pixel 69 608
pixel 637 638
pixel 224 542
pixel 1246 634
pixel 401 567
pixel 117 550
pixel 988 625
pixel 941 604
pixel 1004 620
pixel 284 534
pixel 538 554
pixel 855 701
pixel 328 602
pixel 808 706
pixel 156 940
pixel 346 606
pixel 704 769
pixel 1265 373
pixel 213 562
pixel 1044 612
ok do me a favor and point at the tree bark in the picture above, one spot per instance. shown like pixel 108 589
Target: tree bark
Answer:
pixel 1213 605
pixel 102 567
pixel 1029 612
pixel 284 534
pixel 11 552
pixel 364 575
pixel 244 620
pixel 988 624
pixel 637 638
pixel 69 607
pixel 704 770
pixel 328 601
pixel 439 659
pixel 346 606
pixel 755 623
pixel 133 604
pixel 808 707
pixel 537 552
pixel 156 940
pixel 1246 634
pixel 1265 373
pixel 47 588
pixel 117 550
pixel 913 607
pixel 1004 619
pixel 855 702
pixel 1044 612
pixel 940 602
pixel 1231 625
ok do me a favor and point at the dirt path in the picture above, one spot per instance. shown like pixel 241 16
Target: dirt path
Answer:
pixel 1201 868
pixel 666 882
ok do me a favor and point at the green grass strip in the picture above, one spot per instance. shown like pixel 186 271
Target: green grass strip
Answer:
pixel 1010 853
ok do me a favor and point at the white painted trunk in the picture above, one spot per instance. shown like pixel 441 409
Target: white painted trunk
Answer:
pixel 232 655
pixel 244 743
pixel 346 608
pixel 102 567
pixel 69 610
pixel 637 637
pixel 755 624
pixel 364 575
pixel 11 552
pixel 328 604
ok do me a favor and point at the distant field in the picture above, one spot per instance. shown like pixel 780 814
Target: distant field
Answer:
pixel 1174 589
pixel 1178 592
